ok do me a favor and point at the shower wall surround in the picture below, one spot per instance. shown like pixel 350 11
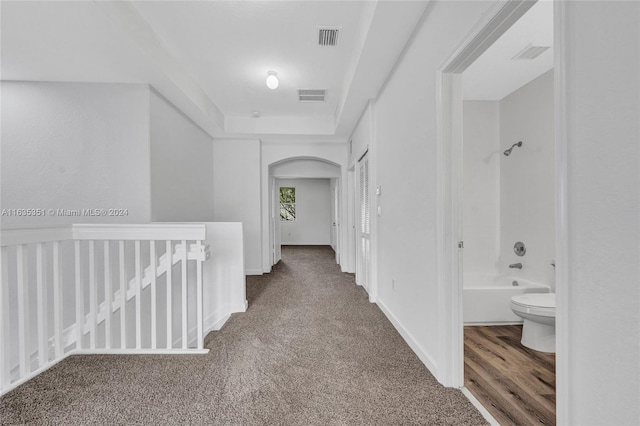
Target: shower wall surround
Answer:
pixel 527 180
pixel 509 199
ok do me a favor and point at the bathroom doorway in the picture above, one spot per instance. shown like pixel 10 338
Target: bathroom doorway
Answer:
pixel 500 93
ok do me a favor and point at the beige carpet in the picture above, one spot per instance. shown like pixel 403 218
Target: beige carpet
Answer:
pixel 311 350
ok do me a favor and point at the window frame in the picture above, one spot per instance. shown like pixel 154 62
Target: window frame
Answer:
pixel 294 204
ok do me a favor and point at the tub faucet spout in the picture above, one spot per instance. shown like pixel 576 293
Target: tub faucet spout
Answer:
pixel 516 265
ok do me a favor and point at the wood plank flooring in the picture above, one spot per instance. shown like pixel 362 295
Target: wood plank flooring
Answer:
pixel 514 383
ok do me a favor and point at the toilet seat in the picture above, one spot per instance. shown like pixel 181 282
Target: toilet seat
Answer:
pixel 543 304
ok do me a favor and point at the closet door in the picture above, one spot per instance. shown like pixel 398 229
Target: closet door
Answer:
pixel 363 253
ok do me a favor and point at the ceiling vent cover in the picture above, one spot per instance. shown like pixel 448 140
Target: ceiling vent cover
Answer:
pixel 328 36
pixel 530 52
pixel 311 95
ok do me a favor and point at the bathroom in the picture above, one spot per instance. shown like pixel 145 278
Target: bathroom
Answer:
pixel 508 222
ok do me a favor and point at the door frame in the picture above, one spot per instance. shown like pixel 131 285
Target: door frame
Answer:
pixel 500 16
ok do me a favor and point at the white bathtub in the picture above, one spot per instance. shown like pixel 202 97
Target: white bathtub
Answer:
pixel 486 298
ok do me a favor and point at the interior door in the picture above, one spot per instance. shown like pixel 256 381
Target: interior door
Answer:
pixel 336 222
pixel 363 252
pixel 277 238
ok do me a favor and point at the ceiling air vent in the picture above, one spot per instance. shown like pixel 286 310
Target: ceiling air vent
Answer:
pixel 530 52
pixel 328 36
pixel 311 95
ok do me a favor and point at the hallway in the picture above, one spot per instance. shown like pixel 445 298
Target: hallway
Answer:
pixel 310 349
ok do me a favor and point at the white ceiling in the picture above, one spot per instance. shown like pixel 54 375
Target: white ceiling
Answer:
pixel 494 74
pixel 211 58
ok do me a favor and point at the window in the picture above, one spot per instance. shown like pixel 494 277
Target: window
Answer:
pixel 287 204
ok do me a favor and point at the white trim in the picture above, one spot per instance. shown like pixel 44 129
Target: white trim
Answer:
pixel 426 359
pixel 154 231
pixel 176 351
pixel 472 399
pixel 563 350
pixel 33 374
pixel 12 237
pixel 498 18
pixel 373 208
pixel 254 271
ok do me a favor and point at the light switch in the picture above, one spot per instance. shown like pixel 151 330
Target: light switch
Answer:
pixel 378 190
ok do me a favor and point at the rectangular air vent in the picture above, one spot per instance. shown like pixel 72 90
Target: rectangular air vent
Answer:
pixel 328 36
pixel 311 95
pixel 530 52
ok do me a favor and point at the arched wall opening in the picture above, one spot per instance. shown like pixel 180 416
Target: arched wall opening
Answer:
pixel 314 173
pixel 314 217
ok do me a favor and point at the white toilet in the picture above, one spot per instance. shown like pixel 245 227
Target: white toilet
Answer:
pixel 539 313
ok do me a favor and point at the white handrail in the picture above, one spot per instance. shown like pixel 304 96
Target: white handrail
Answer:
pixel 24 356
pixel 126 232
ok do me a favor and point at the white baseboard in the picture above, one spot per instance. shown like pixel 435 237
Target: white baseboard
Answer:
pixel 238 307
pixel 487 416
pixel 253 272
pixel 175 351
pixel 481 323
pixel 33 374
pixel 411 341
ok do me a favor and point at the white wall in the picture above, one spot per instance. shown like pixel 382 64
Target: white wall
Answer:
pixel 602 65
pixel 305 168
pixel 361 136
pixel 181 165
pixel 75 146
pixel 236 187
pixel 481 187
pixel 225 283
pixel 313 213
pixel 527 180
pixel 406 132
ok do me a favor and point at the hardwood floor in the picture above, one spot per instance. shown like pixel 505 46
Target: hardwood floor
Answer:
pixel 514 383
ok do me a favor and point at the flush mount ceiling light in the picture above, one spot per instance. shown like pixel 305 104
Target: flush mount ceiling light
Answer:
pixel 272 80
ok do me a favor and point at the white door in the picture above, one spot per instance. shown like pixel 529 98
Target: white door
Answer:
pixel 275 217
pixel 336 223
pixel 363 252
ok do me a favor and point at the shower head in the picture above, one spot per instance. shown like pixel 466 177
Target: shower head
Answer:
pixel 508 151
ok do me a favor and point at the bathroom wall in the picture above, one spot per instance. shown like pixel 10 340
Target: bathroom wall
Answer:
pixel 481 187
pixel 527 180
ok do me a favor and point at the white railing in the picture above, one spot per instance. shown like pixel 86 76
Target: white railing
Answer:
pixel 98 289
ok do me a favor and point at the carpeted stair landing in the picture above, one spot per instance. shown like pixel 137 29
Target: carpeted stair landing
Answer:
pixel 310 350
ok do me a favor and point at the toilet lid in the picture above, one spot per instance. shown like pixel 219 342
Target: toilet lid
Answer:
pixel 539 300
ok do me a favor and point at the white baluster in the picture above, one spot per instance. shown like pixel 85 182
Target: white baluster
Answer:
pixel 93 295
pixel 154 274
pixel 185 328
pixel 4 319
pixel 41 293
pixel 108 296
pixel 138 290
pixel 169 257
pixel 199 325
pixel 123 297
pixel 79 297
pixel 23 311
pixel 57 300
